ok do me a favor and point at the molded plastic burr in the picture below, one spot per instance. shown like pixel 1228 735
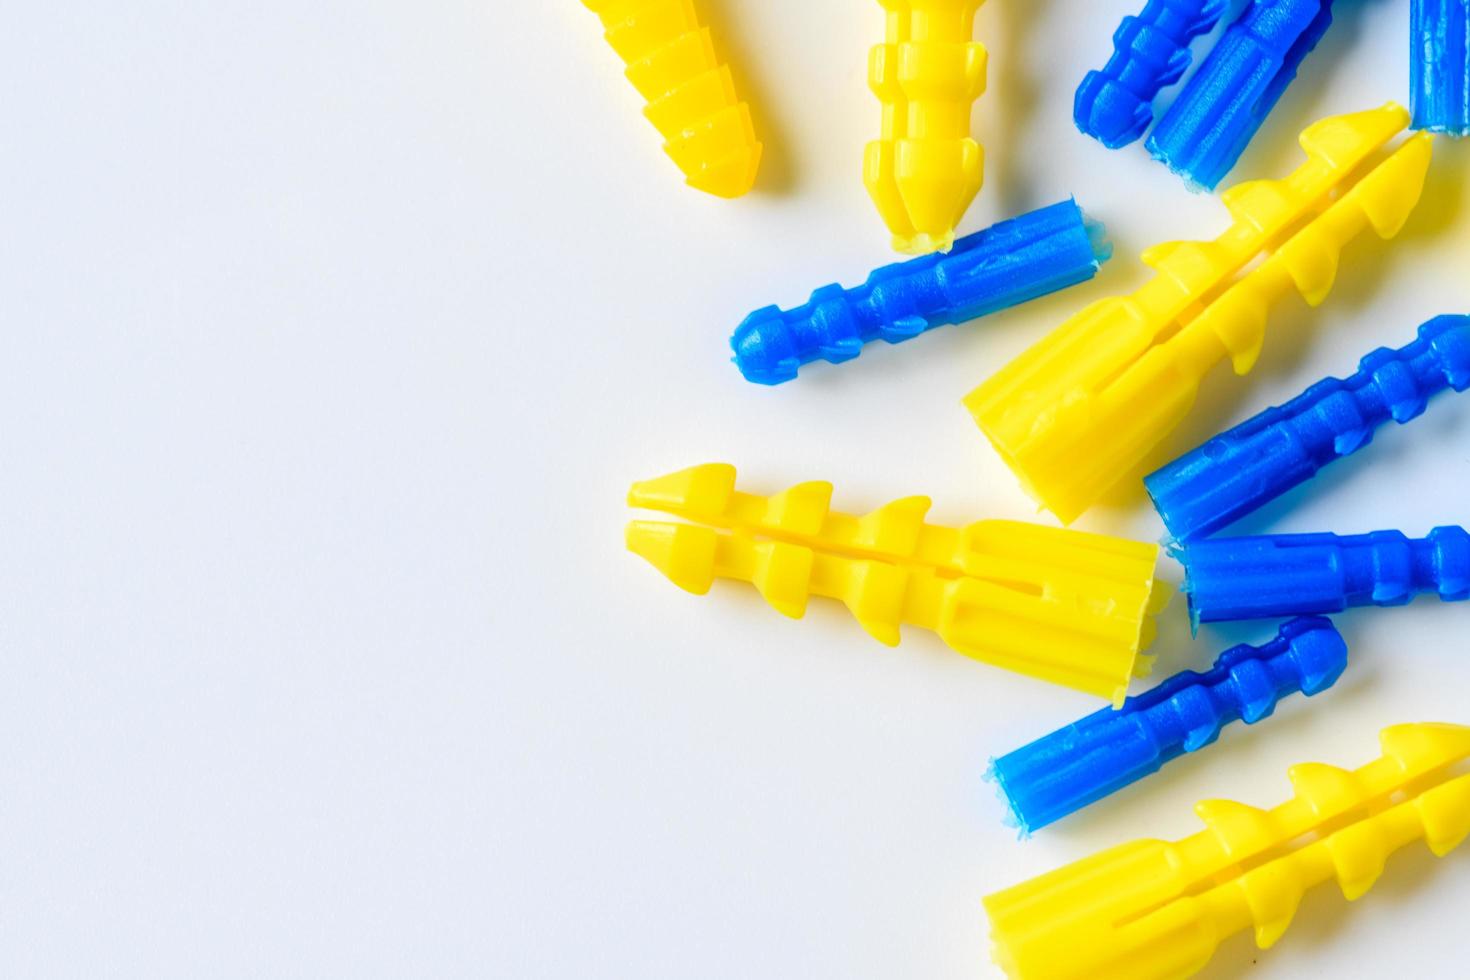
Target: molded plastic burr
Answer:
pixel 1207 128
pixel 1150 53
pixel 1091 402
pixel 1439 65
pixel 1252 464
pixel 1078 765
pixel 1067 607
pixel 691 95
pixel 926 169
pixel 1007 264
pixel 1156 910
pixel 1291 574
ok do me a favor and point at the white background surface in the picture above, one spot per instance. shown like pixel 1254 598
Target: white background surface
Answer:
pixel 334 333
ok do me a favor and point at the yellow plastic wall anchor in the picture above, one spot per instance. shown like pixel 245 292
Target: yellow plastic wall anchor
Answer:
pixel 1087 405
pixel 691 96
pixel 1060 605
pixel 1153 910
pixel 926 169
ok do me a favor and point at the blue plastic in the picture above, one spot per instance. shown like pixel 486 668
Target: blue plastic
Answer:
pixel 1004 265
pixel 1104 752
pixel 1257 461
pixel 1439 66
pixel 1150 53
pixel 1272 576
pixel 1208 127
pixel 1220 108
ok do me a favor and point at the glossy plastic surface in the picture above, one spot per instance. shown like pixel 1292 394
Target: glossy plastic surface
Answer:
pixel 1274 575
pixel 1150 53
pixel 1004 265
pixel 1248 466
pixel 1156 910
pixel 1088 404
pixel 1067 607
pixel 691 97
pixel 1080 764
pixel 1439 65
pixel 1222 105
pixel 926 169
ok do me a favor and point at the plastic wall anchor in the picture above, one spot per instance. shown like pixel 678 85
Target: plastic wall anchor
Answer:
pixel 1222 105
pixel 1439 65
pixel 1091 402
pixel 926 169
pixel 1150 53
pixel 691 96
pixel 1080 764
pixel 1063 606
pixel 1248 466
pixel 1156 910
pixel 1293 574
pixel 1007 264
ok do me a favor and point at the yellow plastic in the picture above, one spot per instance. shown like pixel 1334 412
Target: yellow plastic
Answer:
pixel 926 169
pixel 1153 910
pixel 1060 605
pixel 691 96
pixel 1086 406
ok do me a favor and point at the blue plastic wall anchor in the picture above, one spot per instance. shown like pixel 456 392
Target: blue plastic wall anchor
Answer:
pixel 1004 265
pixel 1257 461
pixel 1439 66
pixel 1220 108
pixel 1104 752
pixel 1277 575
pixel 1150 53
